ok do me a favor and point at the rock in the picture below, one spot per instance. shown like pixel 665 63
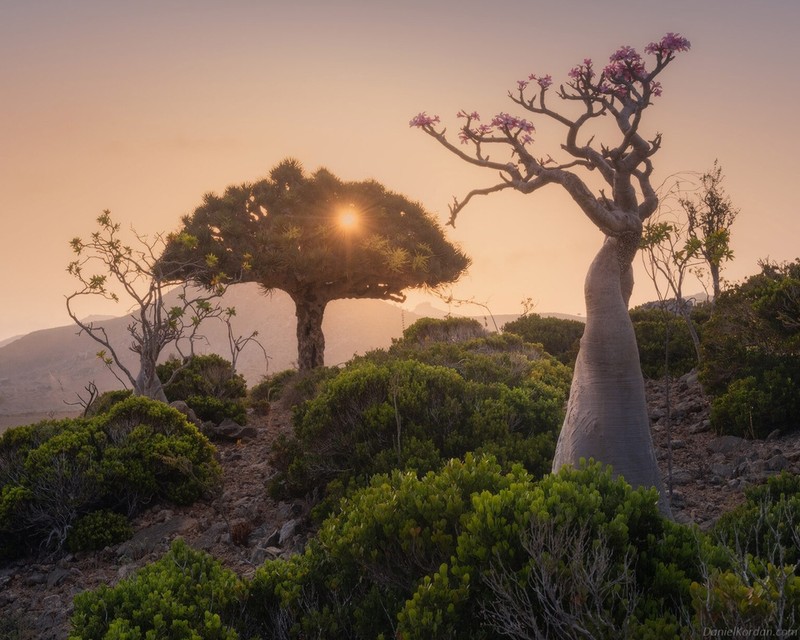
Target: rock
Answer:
pixel 722 470
pixel 777 463
pixel 230 430
pixel 774 435
pixel 146 540
pixel 726 444
pixel 683 476
pixel 700 427
pixel 678 444
pixel 56 577
pixel 211 536
pixel 287 531
pixel 186 410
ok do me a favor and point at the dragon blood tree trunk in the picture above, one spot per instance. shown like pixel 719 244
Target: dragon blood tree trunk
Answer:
pixel 310 339
pixel 607 416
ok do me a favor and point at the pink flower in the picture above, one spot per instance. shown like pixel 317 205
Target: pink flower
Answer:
pixel 423 120
pixel 472 116
pixel 544 81
pixel 521 84
pixel 509 122
pixel 655 87
pixel 670 43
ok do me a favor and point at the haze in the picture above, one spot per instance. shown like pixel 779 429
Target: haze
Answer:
pixel 143 107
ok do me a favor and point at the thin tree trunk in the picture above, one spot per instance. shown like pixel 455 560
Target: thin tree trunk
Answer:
pixel 310 339
pixel 607 417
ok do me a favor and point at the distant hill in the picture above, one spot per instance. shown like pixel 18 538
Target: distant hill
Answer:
pixel 41 371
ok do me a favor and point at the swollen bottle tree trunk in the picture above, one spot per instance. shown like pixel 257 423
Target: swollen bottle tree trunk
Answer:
pixel 310 339
pixel 607 417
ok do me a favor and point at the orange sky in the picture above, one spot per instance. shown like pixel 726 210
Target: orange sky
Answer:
pixel 141 107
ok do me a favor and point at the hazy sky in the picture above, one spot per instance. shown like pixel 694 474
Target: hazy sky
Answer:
pixel 142 107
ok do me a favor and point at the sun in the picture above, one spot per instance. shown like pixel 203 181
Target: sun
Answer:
pixel 348 219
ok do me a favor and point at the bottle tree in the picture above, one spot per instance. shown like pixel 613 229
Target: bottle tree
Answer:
pixel 606 415
pixel 318 239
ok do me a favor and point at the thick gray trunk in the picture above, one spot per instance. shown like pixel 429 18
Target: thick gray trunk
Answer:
pixel 607 417
pixel 148 383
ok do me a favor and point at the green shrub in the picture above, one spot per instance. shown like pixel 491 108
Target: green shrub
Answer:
pixel 767 525
pixel 750 365
pixel 53 473
pixel 270 389
pixel 184 595
pixel 106 400
pixel 436 556
pixel 201 375
pixel 211 409
pixel 208 384
pixel 372 418
pixel 651 325
pixel 559 337
pixel 450 329
pixel 367 560
pixel 97 530
pixel 578 550
pixel 753 407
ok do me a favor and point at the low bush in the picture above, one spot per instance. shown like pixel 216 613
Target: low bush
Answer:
pixel 97 530
pixel 186 595
pixel 105 401
pixel 53 473
pixel 469 552
pixel 405 414
pixel 652 325
pixel 559 337
pixel 755 406
pixel 208 384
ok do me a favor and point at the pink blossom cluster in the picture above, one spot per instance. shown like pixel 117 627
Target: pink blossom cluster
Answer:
pixel 625 66
pixel 423 120
pixel 584 70
pixel 670 43
pixel 472 116
pixel 506 123
pixel 544 81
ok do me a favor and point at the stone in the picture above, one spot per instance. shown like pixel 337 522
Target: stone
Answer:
pixel 145 541
pixel 56 577
pixel 287 531
pixel 777 463
pixel 722 470
pixel 726 444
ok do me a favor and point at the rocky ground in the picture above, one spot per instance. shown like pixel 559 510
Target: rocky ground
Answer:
pixel 244 526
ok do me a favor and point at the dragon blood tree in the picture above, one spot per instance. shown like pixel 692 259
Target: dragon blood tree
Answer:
pixel 319 239
pixel 607 415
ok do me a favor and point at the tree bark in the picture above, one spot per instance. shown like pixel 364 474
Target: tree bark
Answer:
pixel 607 417
pixel 310 339
pixel 148 383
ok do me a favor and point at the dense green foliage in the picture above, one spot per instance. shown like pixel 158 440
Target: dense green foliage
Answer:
pixel 419 405
pixel 55 472
pixel 106 400
pixel 208 384
pixel 441 552
pixel 475 553
pixel 750 345
pixel 559 337
pixel 652 325
pixel 186 595
pixel 97 530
